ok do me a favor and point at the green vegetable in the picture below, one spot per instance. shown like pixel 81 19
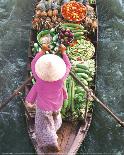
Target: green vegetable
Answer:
pixel 52 32
pixel 77 34
pixel 82 66
pixel 85 49
pixel 91 1
pixel 67 27
pixel 69 93
pixel 41 34
pixel 65 105
pixel 36 47
pixel 78 70
pixel 89 79
pixel 72 95
pixel 83 75
pixel 77 30
pixel 55 38
pixel 78 89
pixel 84 81
pixel 81 70
pixel 73 25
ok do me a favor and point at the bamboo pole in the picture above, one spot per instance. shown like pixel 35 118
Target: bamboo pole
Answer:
pixel 80 83
pixel 16 93
pixel 96 99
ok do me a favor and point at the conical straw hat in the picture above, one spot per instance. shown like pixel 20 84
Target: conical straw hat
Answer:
pixel 50 67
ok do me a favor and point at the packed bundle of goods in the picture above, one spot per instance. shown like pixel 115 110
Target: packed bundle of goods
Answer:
pixel 72 24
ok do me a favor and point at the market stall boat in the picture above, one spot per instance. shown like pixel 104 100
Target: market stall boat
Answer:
pixel 72 133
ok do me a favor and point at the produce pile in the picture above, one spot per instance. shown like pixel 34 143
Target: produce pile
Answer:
pixel 74 108
pixel 83 50
pixel 73 11
pixel 80 51
pixel 48 14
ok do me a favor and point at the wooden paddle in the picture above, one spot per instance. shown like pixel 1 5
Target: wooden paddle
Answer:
pixel 16 92
pixel 96 99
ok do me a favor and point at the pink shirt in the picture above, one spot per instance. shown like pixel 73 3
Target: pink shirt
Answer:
pixel 48 96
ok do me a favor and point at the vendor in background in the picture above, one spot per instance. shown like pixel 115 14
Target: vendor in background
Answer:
pixel 48 93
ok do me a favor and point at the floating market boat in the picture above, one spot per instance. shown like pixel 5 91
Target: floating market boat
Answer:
pixel 75 25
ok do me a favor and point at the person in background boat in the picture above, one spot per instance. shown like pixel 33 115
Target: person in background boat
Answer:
pixel 50 72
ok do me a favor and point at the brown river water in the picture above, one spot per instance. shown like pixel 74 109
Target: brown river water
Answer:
pixel 104 136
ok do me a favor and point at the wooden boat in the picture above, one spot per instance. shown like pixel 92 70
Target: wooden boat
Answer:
pixel 70 135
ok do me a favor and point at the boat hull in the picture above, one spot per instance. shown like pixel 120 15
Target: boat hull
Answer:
pixel 70 135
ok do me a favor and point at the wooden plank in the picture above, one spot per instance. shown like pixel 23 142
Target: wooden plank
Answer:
pixel 64 136
pixel 71 139
pixel 80 137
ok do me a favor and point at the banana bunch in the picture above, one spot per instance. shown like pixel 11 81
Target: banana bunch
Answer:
pixel 68 105
pixel 74 107
pixel 83 73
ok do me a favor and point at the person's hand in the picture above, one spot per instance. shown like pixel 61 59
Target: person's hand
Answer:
pixel 30 106
pixel 45 47
pixel 62 48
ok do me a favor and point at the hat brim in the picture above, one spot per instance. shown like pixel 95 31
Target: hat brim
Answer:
pixel 50 67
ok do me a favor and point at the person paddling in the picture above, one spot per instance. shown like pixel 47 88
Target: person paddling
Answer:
pixel 50 72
